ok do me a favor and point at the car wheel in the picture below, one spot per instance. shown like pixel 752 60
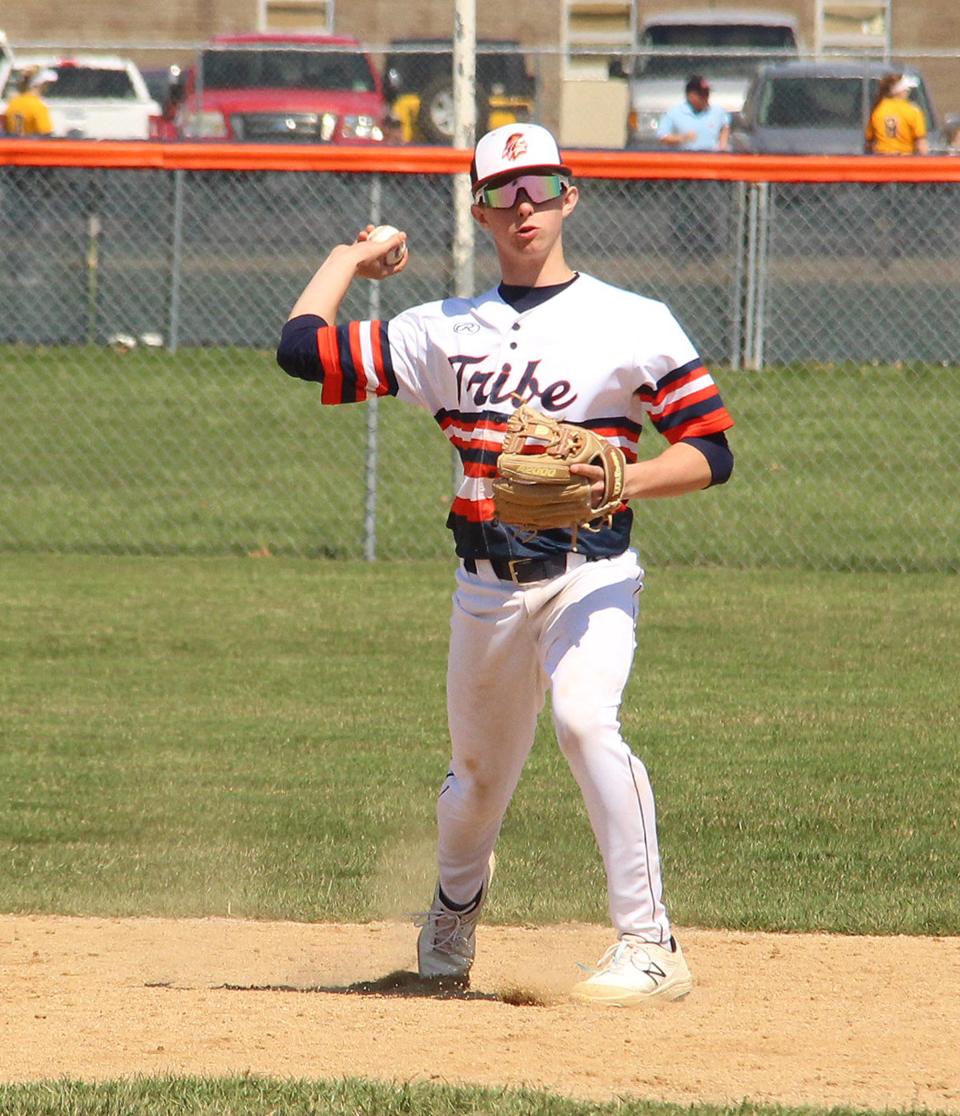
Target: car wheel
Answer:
pixel 435 120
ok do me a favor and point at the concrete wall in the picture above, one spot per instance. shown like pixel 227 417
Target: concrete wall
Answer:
pixel 917 25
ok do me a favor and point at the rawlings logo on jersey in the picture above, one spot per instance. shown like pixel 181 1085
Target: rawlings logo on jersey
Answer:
pixel 484 387
pixel 515 146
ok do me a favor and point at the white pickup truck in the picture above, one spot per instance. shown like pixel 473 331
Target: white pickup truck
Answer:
pixel 723 45
pixel 95 96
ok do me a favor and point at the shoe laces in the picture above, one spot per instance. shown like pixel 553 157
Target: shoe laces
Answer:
pixel 615 955
pixel 445 927
pixel 621 953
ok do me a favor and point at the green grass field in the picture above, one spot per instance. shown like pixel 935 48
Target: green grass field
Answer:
pixel 258 1097
pixel 216 451
pixel 185 736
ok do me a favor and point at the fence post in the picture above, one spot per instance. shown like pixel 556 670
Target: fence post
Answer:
pixel 763 237
pixel 736 293
pixel 755 254
pixel 94 228
pixel 750 293
pixel 176 262
pixel 373 414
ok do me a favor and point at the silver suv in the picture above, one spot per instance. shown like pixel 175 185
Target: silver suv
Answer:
pixel 724 46
pixel 818 108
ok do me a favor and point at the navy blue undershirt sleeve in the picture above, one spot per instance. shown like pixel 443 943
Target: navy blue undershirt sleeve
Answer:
pixel 297 352
pixel 718 453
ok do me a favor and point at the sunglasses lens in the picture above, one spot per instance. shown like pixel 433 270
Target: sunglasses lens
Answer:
pixel 537 187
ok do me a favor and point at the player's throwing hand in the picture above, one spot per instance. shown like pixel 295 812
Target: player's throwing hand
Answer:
pixel 385 251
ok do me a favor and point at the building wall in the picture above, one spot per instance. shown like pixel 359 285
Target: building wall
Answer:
pixel 917 25
pixel 187 21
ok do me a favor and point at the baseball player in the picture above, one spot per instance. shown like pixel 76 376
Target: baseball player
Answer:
pixel 541 611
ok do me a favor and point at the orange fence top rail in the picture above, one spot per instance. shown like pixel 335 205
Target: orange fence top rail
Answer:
pixel 150 155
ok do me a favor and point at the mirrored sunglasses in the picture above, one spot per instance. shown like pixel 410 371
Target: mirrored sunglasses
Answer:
pixel 537 187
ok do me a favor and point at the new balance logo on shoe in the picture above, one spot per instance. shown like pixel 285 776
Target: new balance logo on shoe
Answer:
pixel 634 972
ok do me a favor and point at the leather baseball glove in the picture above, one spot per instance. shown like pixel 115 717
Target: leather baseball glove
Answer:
pixel 534 487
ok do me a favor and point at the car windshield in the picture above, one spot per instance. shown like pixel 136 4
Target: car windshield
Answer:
pixel 497 63
pixel 84 82
pixel 281 68
pixel 701 39
pixel 820 102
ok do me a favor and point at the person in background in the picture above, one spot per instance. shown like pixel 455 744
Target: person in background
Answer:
pixel 696 208
pixel 896 125
pixel 393 129
pixel 26 113
pixel 695 124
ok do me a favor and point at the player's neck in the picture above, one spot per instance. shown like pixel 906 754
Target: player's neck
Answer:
pixel 545 272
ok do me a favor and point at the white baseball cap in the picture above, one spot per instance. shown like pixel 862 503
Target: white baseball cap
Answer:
pixel 905 84
pixel 515 149
pixel 43 77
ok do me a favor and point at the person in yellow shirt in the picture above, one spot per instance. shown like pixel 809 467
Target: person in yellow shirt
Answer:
pixel 896 125
pixel 27 114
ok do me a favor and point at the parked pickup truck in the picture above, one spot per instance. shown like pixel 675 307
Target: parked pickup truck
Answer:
pixel 277 88
pixel 95 96
pixel 724 45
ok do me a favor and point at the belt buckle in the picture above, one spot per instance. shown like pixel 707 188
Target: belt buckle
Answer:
pixel 512 564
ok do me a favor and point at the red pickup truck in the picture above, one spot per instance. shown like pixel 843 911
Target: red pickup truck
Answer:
pixel 277 88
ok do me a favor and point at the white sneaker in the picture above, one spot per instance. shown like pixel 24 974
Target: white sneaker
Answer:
pixel 633 971
pixel 446 945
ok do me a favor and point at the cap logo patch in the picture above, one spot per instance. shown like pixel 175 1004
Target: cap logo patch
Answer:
pixel 515 146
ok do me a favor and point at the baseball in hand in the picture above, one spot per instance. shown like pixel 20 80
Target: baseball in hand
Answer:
pixel 384 232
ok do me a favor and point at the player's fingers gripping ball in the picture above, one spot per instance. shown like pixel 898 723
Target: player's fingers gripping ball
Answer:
pixel 387 232
pixel 534 487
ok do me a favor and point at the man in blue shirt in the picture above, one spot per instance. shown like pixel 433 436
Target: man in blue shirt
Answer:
pixel 694 125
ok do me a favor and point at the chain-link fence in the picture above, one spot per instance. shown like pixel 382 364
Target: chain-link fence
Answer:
pixel 143 411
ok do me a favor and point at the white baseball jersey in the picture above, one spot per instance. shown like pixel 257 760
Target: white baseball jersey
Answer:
pixel 592 354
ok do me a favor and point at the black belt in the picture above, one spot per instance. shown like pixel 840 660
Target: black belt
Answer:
pixel 522 570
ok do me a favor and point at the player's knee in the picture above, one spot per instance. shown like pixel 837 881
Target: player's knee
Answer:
pixel 475 789
pixel 580 723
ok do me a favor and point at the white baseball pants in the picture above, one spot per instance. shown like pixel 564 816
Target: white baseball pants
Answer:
pixel 576 635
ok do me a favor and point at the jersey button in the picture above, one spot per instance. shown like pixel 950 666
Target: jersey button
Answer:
pixel 516 325
pixel 513 344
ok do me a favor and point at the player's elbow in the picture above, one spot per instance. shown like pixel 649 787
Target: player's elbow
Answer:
pixel 716 449
pixel 297 350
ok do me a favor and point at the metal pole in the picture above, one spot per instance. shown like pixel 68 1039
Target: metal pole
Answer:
pixel 736 294
pixel 750 298
pixel 94 229
pixel 176 261
pixel 198 79
pixel 763 237
pixel 464 128
pixel 373 412
pixel 465 122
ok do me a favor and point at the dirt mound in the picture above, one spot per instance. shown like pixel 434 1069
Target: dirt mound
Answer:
pixel 791 1019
